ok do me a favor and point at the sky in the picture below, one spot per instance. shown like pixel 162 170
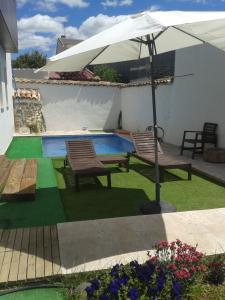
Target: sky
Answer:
pixel 41 22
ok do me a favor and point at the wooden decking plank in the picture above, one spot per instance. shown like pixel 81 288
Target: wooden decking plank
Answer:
pixel 13 274
pixel 48 251
pixel 1 232
pixel 31 265
pixel 22 274
pixel 55 251
pixel 3 244
pixel 8 256
pixel 15 176
pixel 40 253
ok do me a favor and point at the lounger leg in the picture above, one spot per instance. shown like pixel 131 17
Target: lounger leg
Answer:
pixel 182 146
pixel 128 162
pixel 189 172
pixel 127 166
pixel 77 183
pixel 194 150
pixel 109 180
pixel 161 174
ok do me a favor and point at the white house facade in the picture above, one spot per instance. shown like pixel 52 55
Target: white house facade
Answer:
pixel 8 45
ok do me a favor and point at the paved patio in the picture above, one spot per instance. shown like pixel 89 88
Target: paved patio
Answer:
pixel 98 244
pixel 214 171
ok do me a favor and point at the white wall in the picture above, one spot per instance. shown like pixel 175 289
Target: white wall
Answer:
pixel 188 102
pixel 71 107
pixel 6 103
pixel 136 107
pixel 201 97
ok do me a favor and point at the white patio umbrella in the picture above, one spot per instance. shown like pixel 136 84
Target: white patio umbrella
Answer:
pixel 144 35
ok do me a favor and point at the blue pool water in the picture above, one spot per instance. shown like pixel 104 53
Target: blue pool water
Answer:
pixel 104 144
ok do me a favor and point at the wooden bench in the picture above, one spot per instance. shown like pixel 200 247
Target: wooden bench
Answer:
pixel 5 167
pixel 21 181
pixel 121 160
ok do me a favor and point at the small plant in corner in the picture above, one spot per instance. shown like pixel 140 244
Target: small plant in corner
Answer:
pixel 216 270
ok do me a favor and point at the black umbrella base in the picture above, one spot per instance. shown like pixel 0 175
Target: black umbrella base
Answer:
pixel 152 207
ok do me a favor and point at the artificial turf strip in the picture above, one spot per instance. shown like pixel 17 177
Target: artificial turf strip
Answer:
pixel 131 189
pixel 46 209
pixel 36 294
pixel 25 147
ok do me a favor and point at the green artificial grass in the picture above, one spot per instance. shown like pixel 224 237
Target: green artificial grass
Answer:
pixel 130 190
pixel 46 209
pixel 25 147
pixel 36 294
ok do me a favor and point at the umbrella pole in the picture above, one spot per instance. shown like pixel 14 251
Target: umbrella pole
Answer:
pixel 156 206
pixel 151 48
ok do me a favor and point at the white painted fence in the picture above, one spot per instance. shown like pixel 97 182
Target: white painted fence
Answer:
pixel 183 105
pixel 72 107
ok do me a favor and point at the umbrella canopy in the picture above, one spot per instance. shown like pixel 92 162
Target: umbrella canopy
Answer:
pixel 144 35
pixel 119 42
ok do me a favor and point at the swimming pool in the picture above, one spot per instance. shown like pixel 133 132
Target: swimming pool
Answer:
pixel 103 143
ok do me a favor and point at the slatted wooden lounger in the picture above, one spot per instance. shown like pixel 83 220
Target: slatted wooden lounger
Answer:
pixel 18 179
pixel 144 150
pixel 83 161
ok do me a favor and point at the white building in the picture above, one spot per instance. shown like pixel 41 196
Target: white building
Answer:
pixel 8 44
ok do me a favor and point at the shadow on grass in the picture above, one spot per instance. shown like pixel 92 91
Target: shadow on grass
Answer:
pixel 96 201
pixel 149 172
pixel 105 232
pixel 44 210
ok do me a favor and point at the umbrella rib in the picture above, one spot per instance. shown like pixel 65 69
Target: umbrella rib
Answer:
pixel 185 32
pixel 158 35
pixel 138 40
pixel 139 56
pixel 96 56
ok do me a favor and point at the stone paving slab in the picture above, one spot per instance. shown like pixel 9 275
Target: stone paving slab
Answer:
pixel 215 171
pixel 99 244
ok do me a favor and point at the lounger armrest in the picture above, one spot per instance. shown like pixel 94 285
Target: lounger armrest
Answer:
pixel 196 132
pixel 193 131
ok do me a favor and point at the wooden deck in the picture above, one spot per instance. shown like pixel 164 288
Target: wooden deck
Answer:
pixel 29 254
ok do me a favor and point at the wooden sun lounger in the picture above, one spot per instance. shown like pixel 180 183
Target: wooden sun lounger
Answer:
pixel 18 179
pixel 121 160
pixel 144 150
pixel 83 161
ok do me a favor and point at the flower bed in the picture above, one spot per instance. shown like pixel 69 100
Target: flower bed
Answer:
pixel 166 275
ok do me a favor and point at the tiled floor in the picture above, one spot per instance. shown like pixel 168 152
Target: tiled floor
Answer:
pixel 215 171
pixel 98 244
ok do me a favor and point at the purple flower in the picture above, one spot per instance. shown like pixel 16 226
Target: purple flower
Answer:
pixel 160 281
pixel 134 264
pixel 144 272
pixel 123 280
pixel 114 271
pixel 95 283
pixel 133 294
pixel 113 287
pixel 176 290
pixel 90 290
